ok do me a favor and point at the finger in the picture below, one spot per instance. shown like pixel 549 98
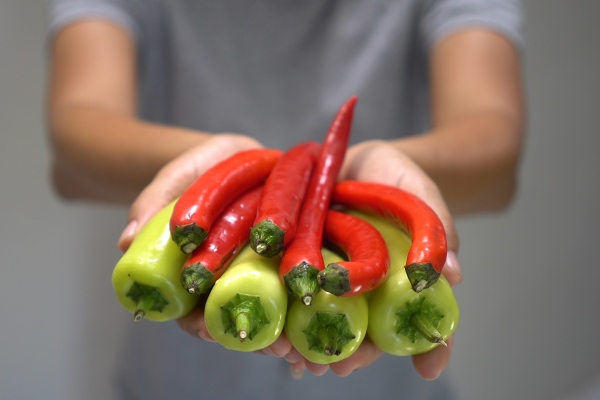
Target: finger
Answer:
pixel 299 364
pixel 431 364
pixel 297 370
pixel 194 324
pixel 280 348
pixel 168 184
pixel 452 270
pixel 316 369
pixel 365 355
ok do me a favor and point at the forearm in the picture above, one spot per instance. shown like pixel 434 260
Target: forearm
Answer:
pixel 474 159
pixel 473 149
pixel 103 155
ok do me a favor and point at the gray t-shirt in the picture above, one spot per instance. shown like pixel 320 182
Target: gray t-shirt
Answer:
pixel 279 70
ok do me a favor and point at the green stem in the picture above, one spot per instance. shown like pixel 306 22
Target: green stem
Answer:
pixel 422 324
pixel 334 279
pixel 197 279
pixel 144 304
pixel 328 333
pixel 242 325
pixel 421 275
pixel 329 337
pixel 244 316
pixel 419 319
pixel 147 298
pixel 302 282
pixel 188 237
pixel 266 238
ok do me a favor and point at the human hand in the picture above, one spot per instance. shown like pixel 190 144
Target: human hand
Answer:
pixel 172 180
pixel 378 161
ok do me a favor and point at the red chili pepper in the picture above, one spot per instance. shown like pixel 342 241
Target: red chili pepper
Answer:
pixel 205 199
pixel 302 259
pixel 428 250
pixel 228 234
pixel 366 250
pixel 282 196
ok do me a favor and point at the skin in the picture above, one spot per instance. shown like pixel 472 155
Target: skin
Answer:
pixel 467 163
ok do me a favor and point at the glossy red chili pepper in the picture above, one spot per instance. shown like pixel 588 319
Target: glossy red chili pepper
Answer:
pixel 302 259
pixel 428 250
pixel 366 250
pixel 228 234
pixel 207 196
pixel 282 196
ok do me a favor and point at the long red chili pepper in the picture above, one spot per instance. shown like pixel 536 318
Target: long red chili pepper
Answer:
pixel 208 195
pixel 366 250
pixel 428 250
pixel 302 259
pixel 282 196
pixel 228 234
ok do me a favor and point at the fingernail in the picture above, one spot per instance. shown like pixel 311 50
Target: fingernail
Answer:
pixel 453 265
pixel 267 351
pixel 297 373
pixel 203 336
pixel 129 231
pixel 292 357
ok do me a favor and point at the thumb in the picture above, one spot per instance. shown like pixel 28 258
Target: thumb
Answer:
pixel 164 188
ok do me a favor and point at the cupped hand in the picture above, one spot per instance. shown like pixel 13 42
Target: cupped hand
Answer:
pixel 172 180
pixel 378 161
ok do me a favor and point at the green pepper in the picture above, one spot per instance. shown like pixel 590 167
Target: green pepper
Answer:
pixel 146 279
pixel 331 328
pixel 401 321
pixel 246 307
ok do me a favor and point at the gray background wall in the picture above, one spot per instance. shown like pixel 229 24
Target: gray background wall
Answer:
pixel 530 292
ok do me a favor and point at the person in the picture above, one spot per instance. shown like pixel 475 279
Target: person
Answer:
pixel 146 95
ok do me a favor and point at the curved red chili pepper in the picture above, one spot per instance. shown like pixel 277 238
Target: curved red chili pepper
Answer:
pixel 228 234
pixel 302 259
pixel 366 250
pixel 428 250
pixel 210 193
pixel 282 196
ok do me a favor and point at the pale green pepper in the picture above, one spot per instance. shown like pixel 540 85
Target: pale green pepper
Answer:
pixel 146 279
pixel 246 308
pixel 401 321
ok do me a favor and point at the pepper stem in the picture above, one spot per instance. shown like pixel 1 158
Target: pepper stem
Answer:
pixel 261 248
pixel 419 319
pixel 422 324
pixel 144 304
pixel 328 333
pixel 421 275
pixel 329 337
pixel 242 325
pixel 334 279
pixel 188 237
pixel 267 238
pixel 147 298
pixel 302 282
pixel 244 316
pixel 197 279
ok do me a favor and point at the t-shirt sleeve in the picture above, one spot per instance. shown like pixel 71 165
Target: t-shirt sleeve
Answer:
pixel 442 17
pixel 63 12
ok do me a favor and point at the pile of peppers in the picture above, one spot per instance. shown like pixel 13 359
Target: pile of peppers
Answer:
pixel 269 242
